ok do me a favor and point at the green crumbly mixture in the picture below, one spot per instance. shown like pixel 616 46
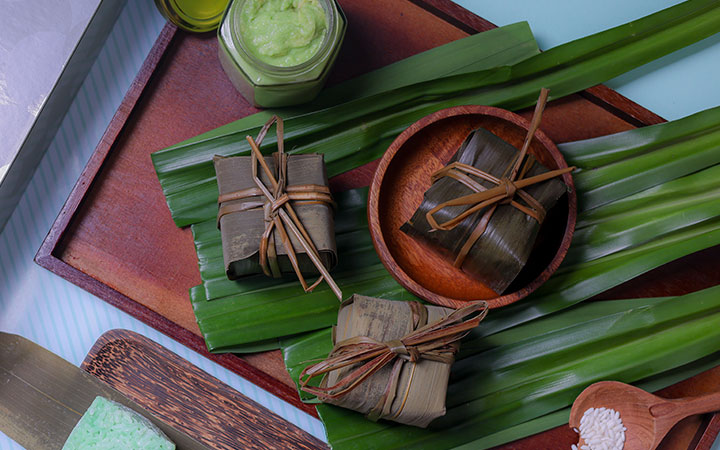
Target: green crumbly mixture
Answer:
pixel 283 32
pixel 108 425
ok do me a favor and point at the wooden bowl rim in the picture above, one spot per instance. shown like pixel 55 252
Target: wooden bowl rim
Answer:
pixel 374 199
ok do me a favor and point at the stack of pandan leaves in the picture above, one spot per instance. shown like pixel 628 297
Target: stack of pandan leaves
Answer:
pixel 646 197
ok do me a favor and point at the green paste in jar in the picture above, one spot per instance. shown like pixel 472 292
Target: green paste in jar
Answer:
pixel 283 32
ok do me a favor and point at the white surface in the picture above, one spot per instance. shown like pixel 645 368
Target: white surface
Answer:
pixel 674 86
pixel 36 40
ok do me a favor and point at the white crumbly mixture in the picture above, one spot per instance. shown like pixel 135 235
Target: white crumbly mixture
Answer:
pixel 601 429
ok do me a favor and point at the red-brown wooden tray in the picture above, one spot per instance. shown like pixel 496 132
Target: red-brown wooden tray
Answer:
pixel 114 236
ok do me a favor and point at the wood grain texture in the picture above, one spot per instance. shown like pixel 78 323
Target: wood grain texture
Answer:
pixel 42 397
pixel 647 417
pixel 181 76
pixel 707 438
pixel 401 179
pixel 456 15
pixel 188 398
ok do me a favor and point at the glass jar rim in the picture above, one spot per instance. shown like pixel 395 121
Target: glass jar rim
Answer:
pixel 330 14
pixel 194 22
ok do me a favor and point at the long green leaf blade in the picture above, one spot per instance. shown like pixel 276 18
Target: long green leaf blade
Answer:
pixel 561 417
pixel 603 150
pixel 652 339
pixel 504 45
pixel 565 69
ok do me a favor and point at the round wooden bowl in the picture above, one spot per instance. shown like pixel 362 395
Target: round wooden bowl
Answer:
pixel 403 176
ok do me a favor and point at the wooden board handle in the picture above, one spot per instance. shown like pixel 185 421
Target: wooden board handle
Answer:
pixel 188 398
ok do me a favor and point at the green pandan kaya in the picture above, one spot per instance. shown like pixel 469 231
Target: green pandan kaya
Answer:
pixel 283 32
pixel 107 425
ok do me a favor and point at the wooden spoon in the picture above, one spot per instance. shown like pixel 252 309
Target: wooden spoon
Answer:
pixel 647 417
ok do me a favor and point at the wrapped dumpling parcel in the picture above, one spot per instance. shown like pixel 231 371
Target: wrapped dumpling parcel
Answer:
pixel 275 213
pixel 391 359
pixel 243 214
pixel 491 239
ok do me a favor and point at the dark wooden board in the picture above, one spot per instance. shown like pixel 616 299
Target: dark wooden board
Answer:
pixel 187 398
pixel 114 236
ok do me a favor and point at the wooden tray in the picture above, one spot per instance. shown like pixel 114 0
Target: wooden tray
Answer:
pixel 187 398
pixel 114 236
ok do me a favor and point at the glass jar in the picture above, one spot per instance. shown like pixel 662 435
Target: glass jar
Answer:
pixel 193 15
pixel 267 85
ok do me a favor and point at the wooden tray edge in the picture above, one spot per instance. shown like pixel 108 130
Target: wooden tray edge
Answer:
pixel 456 15
pixel 45 256
pixel 175 331
pixel 621 106
pixel 710 434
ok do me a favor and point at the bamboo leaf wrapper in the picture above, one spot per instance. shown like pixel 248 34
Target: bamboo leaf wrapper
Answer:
pixel 409 392
pixel 242 231
pixel 504 246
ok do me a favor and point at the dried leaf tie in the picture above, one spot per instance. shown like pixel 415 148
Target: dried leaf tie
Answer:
pixel 427 341
pixel 508 187
pixel 278 211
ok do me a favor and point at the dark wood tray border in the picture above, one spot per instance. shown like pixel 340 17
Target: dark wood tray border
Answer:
pixel 601 95
pixel 47 258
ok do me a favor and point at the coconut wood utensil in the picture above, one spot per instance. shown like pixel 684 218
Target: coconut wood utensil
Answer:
pixel 647 417
pixel 42 397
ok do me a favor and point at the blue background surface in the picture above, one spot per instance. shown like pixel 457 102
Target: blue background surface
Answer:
pixel 67 320
pixel 675 86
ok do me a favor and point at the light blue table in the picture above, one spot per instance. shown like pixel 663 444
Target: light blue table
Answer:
pixel 67 320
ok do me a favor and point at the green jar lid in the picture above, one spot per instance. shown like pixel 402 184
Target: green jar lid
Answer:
pixel 193 15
